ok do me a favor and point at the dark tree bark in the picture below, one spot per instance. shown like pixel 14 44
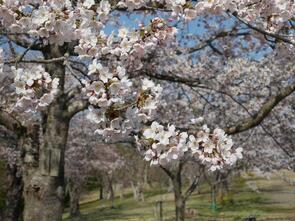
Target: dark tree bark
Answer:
pixel 100 186
pixel 179 198
pixel 13 202
pixel 100 192
pixel 44 185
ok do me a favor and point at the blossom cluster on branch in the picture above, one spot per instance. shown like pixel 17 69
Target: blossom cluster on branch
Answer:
pixel 116 117
pixel 35 87
pixel 213 149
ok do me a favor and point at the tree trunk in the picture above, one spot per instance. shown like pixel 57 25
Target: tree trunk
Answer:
pixel 13 201
pixel 135 191
pixel 179 201
pixel 146 177
pixel 100 192
pixel 178 196
pixel 100 186
pixel 224 189
pixel 120 190
pixel 44 185
pixel 137 188
pixel 180 209
pixel 111 194
pixel 75 191
pixel 141 192
pixel 170 186
pixel 213 198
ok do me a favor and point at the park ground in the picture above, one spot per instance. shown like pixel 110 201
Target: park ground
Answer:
pixel 269 198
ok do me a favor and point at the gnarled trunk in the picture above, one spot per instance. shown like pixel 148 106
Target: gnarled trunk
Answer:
pixel 44 184
pixel 43 197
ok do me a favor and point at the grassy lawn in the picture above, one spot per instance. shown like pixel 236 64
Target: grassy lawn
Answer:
pixel 274 200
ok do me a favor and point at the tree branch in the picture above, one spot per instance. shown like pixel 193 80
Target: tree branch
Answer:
pixel 19 39
pixel 208 42
pixel 39 61
pixel 263 112
pixel 248 123
pixel 168 172
pixel 192 187
pixel 261 31
pixel 187 81
pixel 11 123
pixel 75 107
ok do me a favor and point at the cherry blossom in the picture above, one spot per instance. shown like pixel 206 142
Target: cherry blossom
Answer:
pixel 36 86
pixel 165 146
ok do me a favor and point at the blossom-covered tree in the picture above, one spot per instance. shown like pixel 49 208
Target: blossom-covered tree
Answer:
pixel 65 61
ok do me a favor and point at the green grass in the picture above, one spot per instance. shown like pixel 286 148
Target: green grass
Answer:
pixel 263 205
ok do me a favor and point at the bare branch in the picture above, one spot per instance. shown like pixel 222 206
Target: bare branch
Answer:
pixel 192 187
pixel 208 43
pixel 20 57
pixel 23 40
pixel 168 172
pixel 39 61
pixel 187 81
pixel 273 35
pixel 263 112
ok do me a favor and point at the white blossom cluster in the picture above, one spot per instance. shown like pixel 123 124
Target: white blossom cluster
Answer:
pixel 110 88
pixel 35 87
pixel 115 115
pixel 129 47
pixel 164 145
pixel 110 85
pixel 58 22
pixel 167 145
pixel 54 21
